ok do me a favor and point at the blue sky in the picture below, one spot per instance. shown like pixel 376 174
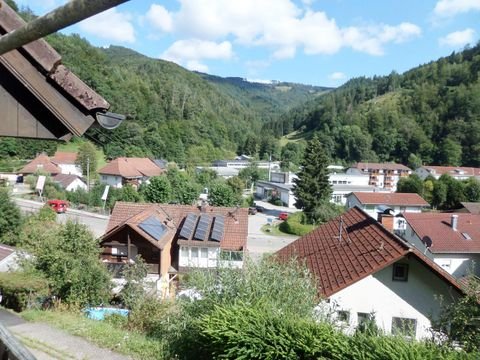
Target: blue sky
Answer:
pixel 319 42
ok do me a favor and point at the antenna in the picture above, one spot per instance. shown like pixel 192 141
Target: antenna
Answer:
pixel 340 231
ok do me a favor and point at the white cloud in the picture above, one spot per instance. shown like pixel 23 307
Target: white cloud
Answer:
pixel 337 76
pixel 160 18
pixel 449 8
pixel 278 25
pixel 190 52
pixel 110 25
pixel 458 38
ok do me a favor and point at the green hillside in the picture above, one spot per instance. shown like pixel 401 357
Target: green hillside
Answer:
pixel 429 114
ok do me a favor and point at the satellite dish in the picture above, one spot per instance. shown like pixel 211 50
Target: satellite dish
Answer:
pixel 427 241
pixel 109 120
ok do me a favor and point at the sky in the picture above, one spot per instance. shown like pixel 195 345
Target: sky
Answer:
pixel 317 42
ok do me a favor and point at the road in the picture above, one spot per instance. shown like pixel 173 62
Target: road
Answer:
pixel 95 222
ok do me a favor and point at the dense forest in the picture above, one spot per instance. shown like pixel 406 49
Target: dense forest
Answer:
pixel 430 114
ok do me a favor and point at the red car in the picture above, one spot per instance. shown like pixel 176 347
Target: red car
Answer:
pixel 283 216
pixel 59 206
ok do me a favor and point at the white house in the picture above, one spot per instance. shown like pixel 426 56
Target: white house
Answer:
pixel 381 175
pixel 134 171
pixel 70 182
pixel 362 269
pixel 279 186
pixel 451 240
pixel 66 162
pixel 398 203
pixel 457 172
pixel 242 163
pixel 221 171
pixel 343 184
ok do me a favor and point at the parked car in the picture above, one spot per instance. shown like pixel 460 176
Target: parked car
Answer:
pixel 59 206
pixel 252 210
pixel 283 216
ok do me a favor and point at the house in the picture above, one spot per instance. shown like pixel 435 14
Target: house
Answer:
pixel 395 203
pixel 41 163
pixel 224 172
pixel 39 96
pixel 457 172
pixel 172 238
pixel 452 240
pixel 70 182
pixel 123 170
pixel 469 207
pixel 8 258
pixel 66 161
pixel 382 175
pixel 280 186
pixel 366 272
pixel 343 184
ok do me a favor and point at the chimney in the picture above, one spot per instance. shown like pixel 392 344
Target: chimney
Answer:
pixel 203 206
pixel 454 222
pixel 387 221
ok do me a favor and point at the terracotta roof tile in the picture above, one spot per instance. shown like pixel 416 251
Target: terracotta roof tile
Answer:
pixel 236 226
pixel 444 239
pixel 400 199
pixel 364 248
pixel 131 168
pixel 381 166
pixel 43 163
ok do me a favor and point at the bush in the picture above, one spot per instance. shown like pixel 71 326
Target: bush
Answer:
pixel 21 290
pixel 276 201
pixel 296 225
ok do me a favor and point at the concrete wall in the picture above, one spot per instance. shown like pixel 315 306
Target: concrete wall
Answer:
pixel 379 294
pixel 112 180
pixel 71 169
pixel 76 184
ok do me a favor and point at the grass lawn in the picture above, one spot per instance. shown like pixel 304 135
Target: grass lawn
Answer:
pixel 72 146
pixel 273 230
pixel 101 333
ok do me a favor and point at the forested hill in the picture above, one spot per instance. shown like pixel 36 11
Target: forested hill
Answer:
pixel 173 113
pixel 430 114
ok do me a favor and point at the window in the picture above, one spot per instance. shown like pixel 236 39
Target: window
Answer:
pixel 184 252
pixel 343 316
pixel 119 251
pixel 204 253
pixel 404 326
pixel 363 317
pixel 400 272
pixel 194 252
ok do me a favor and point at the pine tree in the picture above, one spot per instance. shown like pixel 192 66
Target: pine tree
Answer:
pixel 312 188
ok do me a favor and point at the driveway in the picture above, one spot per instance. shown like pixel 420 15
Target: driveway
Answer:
pixel 47 343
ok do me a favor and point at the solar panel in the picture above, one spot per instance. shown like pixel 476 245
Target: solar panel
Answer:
pixel 153 227
pixel 202 227
pixel 218 228
pixel 188 226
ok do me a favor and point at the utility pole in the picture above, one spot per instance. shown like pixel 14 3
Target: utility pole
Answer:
pixel 70 13
pixel 88 174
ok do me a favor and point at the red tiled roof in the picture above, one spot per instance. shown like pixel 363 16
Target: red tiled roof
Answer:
pixel 364 248
pixel 131 168
pixel 453 170
pixel 236 232
pixel 6 251
pixel 61 157
pixel 41 162
pixel 400 199
pixel 444 239
pixel 380 166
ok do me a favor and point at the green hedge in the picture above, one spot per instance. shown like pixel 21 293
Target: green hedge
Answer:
pixel 20 290
pixel 294 225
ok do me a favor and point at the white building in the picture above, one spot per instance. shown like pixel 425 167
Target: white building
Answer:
pixel 244 163
pixel 133 171
pixel 344 184
pixel 279 186
pixel 66 162
pixel 223 172
pixel 457 172
pixel 70 182
pixel 451 240
pixel 381 175
pixel 364 270
pixel 377 203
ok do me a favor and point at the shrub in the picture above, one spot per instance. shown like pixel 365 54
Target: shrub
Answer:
pixel 296 224
pixel 21 290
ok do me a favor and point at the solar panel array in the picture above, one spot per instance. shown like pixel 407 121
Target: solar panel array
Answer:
pixel 188 226
pixel 203 227
pixel 218 228
pixel 153 227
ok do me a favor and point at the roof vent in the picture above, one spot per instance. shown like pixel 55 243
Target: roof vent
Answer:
pixel 454 222
pixel 466 236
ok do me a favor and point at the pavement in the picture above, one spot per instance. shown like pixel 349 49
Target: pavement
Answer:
pixel 47 343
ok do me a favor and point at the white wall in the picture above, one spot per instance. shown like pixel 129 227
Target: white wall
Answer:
pixel 76 184
pixel 378 293
pixel 348 179
pixel 112 180
pixel 70 169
